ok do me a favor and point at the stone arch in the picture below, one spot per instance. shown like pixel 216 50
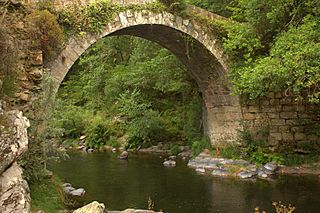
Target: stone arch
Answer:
pixel 195 46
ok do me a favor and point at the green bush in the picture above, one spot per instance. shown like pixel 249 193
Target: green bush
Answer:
pixel 199 145
pixel 97 132
pixel 114 142
pixel 231 151
pixel 174 149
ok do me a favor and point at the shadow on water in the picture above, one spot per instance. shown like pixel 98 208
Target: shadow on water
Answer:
pixel 122 184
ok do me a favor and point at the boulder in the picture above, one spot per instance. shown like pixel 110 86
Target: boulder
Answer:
pixel 77 192
pixel 93 207
pixel 14 191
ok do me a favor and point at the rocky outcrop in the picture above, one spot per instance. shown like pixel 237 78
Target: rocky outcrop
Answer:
pixel 13 138
pixel 204 163
pixel 14 191
pixel 93 207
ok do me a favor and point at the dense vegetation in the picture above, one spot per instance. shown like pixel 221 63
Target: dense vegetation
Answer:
pixel 129 90
pixel 274 45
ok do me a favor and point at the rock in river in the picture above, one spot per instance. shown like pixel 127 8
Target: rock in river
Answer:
pixel 169 163
pixel 93 207
pixel 124 155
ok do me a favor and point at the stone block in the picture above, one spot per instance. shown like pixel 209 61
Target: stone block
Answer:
pixel 284 129
pixel 249 116
pixel 253 109
pixel 299 136
pixel 270 95
pixel 273 115
pixel 274 129
pixel 269 109
pixel 288 115
pixel 275 137
pixel 278 95
pixel 300 108
pixel 284 101
pixel 297 129
pixel 287 136
pixel 292 122
pixel 278 122
pixel 304 115
pixel 312 138
pixel 288 108
pixel 274 102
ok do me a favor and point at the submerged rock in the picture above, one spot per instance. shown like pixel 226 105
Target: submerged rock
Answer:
pixel 169 163
pixel 124 155
pixel 93 207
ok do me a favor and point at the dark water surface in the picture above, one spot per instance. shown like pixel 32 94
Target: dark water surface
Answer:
pixel 122 184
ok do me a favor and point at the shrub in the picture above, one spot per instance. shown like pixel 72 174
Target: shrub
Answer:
pixel 97 134
pixel 177 7
pixel 199 145
pixel 45 29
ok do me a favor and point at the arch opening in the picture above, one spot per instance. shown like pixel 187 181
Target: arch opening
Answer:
pixel 195 49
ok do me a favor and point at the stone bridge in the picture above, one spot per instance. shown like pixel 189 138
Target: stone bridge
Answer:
pixel 195 46
pixel 198 49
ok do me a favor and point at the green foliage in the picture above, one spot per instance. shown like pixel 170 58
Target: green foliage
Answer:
pixel 255 147
pixel 199 145
pixel 93 17
pixel 174 149
pixel 241 41
pixel 177 7
pixel 47 195
pixel 98 133
pixel 114 142
pixel 220 7
pixel 140 88
pixel 231 151
pixel 275 48
pixel 293 65
pixel 45 29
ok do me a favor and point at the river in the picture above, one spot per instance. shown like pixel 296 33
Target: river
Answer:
pixel 121 184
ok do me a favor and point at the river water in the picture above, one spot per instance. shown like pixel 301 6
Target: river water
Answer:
pixel 121 184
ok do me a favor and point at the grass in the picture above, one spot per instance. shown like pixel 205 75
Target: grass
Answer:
pixel 47 195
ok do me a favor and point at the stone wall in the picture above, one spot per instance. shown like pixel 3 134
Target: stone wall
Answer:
pixel 286 119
